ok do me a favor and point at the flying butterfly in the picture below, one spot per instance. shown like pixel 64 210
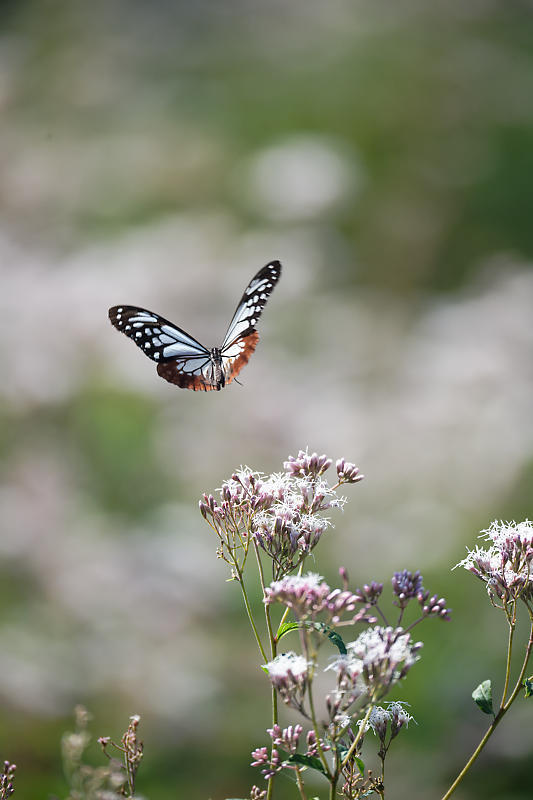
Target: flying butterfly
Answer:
pixel 180 358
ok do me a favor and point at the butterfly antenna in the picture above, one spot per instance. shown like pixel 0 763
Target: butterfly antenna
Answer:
pixel 236 381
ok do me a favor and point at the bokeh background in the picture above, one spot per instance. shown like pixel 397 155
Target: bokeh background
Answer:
pixel 159 154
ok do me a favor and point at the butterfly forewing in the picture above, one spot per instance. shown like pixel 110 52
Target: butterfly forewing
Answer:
pixel 180 358
pixel 158 338
pixel 252 303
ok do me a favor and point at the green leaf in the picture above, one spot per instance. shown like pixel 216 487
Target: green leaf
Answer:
pixel 528 683
pixel 287 627
pixel 332 634
pixel 360 764
pixel 343 752
pixel 482 696
pixel 307 761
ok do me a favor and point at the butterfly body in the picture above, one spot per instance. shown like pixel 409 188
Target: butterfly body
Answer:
pixel 216 361
pixel 180 358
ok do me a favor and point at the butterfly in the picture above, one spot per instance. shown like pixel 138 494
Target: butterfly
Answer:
pixel 180 358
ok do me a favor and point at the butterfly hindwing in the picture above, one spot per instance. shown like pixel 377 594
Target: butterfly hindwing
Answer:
pixel 237 355
pixel 195 374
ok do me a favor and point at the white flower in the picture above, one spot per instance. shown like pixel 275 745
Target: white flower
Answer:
pixel 501 532
pixel 378 658
pixel 288 674
pixel 506 566
pixel 375 645
pixel 398 715
pixel 287 666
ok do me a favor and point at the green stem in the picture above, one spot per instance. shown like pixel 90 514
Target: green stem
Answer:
pixel 273 647
pixel 512 625
pixel 287 609
pixel 520 679
pixel 131 780
pixel 381 791
pixel 272 638
pixel 250 616
pixel 300 784
pixel 474 755
pixel 498 717
pixel 315 728
pixel 359 736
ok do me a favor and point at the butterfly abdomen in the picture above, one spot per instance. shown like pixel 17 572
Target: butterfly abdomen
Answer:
pixel 218 370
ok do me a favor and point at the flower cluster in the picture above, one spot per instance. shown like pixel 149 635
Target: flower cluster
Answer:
pixel 288 739
pixel 370 593
pixel 130 748
pixel 389 720
pixel 347 472
pixel 7 779
pixel 313 744
pixel 289 674
pixel 506 566
pixel 311 466
pixel 433 606
pixel 283 513
pixel 271 764
pixel 309 595
pixel 377 659
pixel 407 585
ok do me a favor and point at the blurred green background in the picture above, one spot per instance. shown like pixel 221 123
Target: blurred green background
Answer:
pixel 159 154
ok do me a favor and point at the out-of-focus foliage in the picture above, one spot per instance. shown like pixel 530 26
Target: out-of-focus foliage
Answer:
pixel 160 153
